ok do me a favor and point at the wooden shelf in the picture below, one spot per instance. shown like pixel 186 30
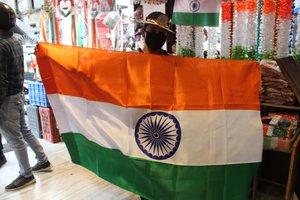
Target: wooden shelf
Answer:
pixel 281 106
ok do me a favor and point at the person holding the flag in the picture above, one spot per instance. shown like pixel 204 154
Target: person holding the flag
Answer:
pixel 12 115
pixel 155 31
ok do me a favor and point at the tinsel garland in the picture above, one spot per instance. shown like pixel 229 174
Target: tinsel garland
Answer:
pixel 226 30
pixel 225 39
pixel 285 10
pixel 199 40
pixel 252 24
pixel 153 2
pixel 267 27
pixel 185 41
pixel 297 37
pixel 296 50
pixel 212 42
pixel 239 19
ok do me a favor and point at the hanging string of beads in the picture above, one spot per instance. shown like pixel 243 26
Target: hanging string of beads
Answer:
pixel 226 31
pixel 296 51
pixel 292 35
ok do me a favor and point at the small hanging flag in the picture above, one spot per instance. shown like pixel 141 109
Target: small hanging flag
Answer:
pixel 196 12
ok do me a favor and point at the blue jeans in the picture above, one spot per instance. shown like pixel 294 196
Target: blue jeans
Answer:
pixel 14 128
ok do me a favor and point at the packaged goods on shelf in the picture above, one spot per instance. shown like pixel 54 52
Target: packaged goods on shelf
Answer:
pixel 275 88
pixel 280 130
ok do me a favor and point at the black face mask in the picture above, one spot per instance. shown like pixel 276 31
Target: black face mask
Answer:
pixel 155 41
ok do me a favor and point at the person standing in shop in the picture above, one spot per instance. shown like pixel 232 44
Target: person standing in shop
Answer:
pixel 12 115
pixel 155 31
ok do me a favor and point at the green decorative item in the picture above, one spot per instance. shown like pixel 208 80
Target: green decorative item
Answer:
pixel 296 57
pixel 239 53
pixel 187 52
pixel 268 55
pixel 252 54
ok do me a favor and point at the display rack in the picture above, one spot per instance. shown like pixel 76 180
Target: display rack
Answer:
pixel 280 167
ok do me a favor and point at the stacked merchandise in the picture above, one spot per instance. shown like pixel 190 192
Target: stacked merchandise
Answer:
pixel 34 120
pixel 41 120
pixel 48 123
pixel 275 89
pixel 279 130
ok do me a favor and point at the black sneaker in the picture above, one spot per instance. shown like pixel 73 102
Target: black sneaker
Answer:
pixel 20 182
pixel 46 167
pixel 2 161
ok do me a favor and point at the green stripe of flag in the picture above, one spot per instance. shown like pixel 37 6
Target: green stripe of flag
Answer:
pixel 159 180
pixel 196 19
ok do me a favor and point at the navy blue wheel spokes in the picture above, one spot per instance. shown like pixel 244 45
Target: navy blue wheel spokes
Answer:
pixel 158 135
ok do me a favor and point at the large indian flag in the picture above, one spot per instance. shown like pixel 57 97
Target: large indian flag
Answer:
pixel 196 12
pixel 163 127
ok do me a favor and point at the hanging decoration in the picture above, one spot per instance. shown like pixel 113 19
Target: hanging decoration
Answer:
pixel 80 21
pixel 296 50
pixel 190 16
pixel 285 11
pixel 107 5
pixel 267 29
pixel 259 13
pixel 65 14
pixel 196 12
pixel 199 40
pixel 43 32
pixel 185 41
pixel 251 39
pixel 93 11
pixel 226 30
pixel 56 23
pixel 239 36
pixel 153 2
pixel 212 42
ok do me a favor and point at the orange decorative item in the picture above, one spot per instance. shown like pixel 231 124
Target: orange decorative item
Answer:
pixel 241 6
pixel 285 9
pixel 252 5
pixel 268 6
pixel 226 11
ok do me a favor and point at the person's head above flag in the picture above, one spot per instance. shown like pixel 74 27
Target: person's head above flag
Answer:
pixel 158 21
pixel 156 28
